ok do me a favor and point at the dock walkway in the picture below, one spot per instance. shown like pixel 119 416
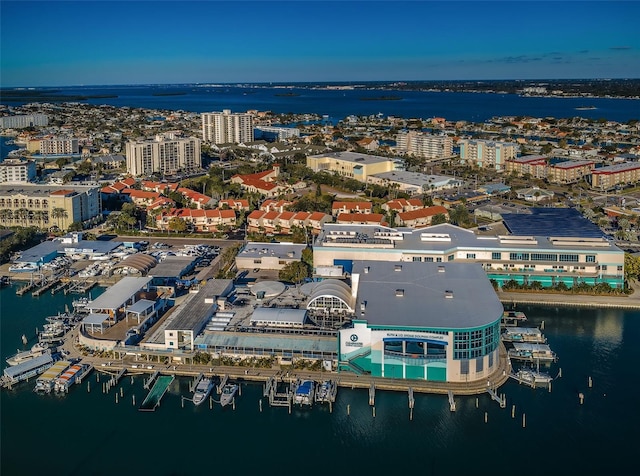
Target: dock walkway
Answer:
pixel 157 392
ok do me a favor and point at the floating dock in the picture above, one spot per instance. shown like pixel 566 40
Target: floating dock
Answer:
pixel 157 392
pixel 46 381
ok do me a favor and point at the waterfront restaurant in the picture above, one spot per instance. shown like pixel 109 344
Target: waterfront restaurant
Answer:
pixel 428 321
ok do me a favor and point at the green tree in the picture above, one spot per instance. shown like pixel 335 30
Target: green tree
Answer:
pixel 294 272
pixel 177 224
pixel 438 219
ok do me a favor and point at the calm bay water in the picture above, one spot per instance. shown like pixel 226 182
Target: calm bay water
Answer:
pixel 88 433
pixel 338 104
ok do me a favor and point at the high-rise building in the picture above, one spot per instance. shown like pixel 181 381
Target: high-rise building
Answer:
pixel 487 154
pixel 423 145
pixel 23 120
pixel 59 146
pixel 163 155
pixel 17 171
pixel 223 127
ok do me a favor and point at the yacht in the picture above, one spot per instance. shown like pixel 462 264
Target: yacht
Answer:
pixel 228 394
pixel 202 391
pixel 35 351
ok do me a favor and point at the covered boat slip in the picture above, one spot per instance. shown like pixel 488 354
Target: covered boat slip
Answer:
pixel 28 369
pixel 156 393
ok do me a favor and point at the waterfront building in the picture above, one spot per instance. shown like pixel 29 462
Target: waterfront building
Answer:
pixel 547 246
pixel 353 164
pixel 45 206
pixel 163 155
pixel 570 171
pixel 186 321
pixel 59 146
pixel 17 171
pixel 533 165
pixel 276 133
pixel 612 176
pixel 23 120
pixel 487 154
pixel 427 321
pixel 226 127
pixel 428 146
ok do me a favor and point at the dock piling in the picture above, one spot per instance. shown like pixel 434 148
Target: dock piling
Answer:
pixel 524 420
pixel 374 412
pixel 486 417
pixel 590 382
pixel 133 400
pixel 581 397
pixel 88 386
pixel 513 411
pixel 260 405
pixel 348 410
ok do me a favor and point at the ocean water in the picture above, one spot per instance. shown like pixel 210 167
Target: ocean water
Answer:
pixel 87 433
pixel 338 104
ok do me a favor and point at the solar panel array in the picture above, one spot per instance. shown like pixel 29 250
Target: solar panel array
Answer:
pixel 560 222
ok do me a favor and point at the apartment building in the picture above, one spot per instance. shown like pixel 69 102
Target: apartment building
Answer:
pixel 45 206
pixel 487 154
pixel 59 146
pixel 163 155
pixel 226 127
pixel 534 165
pixel 570 171
pixel 612 176
pixel 424 145
pixel 23 120
pixel 17 171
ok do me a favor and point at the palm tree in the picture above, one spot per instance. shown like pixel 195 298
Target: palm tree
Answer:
pixel 22 214
pixel 6 215
pixel 58 213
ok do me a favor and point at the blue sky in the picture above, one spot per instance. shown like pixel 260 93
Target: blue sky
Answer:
pixel 127 42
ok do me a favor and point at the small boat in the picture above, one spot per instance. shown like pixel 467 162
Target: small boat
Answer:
pixel 304 393
pixel 532 377
pixel 36 351
pixel 524 334
pixel 202 391
pixel 23 268
pixel 46 382
pixel 532 352
pixel 228 394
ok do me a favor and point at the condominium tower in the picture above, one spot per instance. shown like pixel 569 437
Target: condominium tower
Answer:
pixel 487 154
pixel 427 146
pixel 165 155
pixel 223 127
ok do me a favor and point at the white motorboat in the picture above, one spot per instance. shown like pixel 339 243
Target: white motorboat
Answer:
pixel 35 351
pixel 202 391
pixel 228 394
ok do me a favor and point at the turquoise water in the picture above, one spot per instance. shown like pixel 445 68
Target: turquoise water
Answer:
pixel 87 433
